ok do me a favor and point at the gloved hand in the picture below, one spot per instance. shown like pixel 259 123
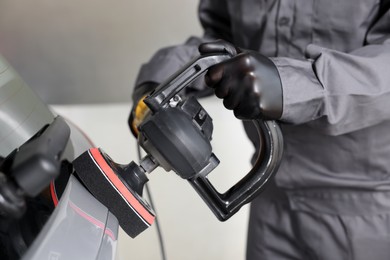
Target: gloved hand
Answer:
pixel 248 83
pixel 139 110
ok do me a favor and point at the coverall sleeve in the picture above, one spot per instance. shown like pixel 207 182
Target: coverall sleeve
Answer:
pixel 338 92
pixel 213 17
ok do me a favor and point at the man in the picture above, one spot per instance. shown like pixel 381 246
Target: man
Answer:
pixel 322 69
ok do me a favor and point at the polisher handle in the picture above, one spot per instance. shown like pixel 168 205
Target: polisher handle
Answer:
pixel 159 101
pixel 227 204
pixel 182 78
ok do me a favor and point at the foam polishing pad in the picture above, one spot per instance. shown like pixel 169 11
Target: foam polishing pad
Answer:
pixel 103 178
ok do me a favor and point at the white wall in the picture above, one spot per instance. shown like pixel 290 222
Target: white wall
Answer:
pixel 90 50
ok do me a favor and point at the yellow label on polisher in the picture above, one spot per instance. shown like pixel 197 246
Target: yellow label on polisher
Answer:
pixel 140 113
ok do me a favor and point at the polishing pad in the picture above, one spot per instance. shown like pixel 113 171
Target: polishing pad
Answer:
pixel 103 178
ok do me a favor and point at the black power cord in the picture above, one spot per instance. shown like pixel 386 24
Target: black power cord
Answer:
pixel 159 233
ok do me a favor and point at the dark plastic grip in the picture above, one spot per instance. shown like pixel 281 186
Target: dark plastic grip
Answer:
pixel 182 78
pixel 227 204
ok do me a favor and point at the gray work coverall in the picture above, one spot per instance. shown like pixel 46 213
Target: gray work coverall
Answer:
pixel 331 196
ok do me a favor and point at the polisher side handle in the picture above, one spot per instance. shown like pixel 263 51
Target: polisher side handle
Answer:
pixel 227 204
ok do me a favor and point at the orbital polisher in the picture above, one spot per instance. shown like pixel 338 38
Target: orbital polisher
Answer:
pixel 176 135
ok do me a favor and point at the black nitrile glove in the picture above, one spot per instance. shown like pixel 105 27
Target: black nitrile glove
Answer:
pixel 139 110
pixel 248 83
